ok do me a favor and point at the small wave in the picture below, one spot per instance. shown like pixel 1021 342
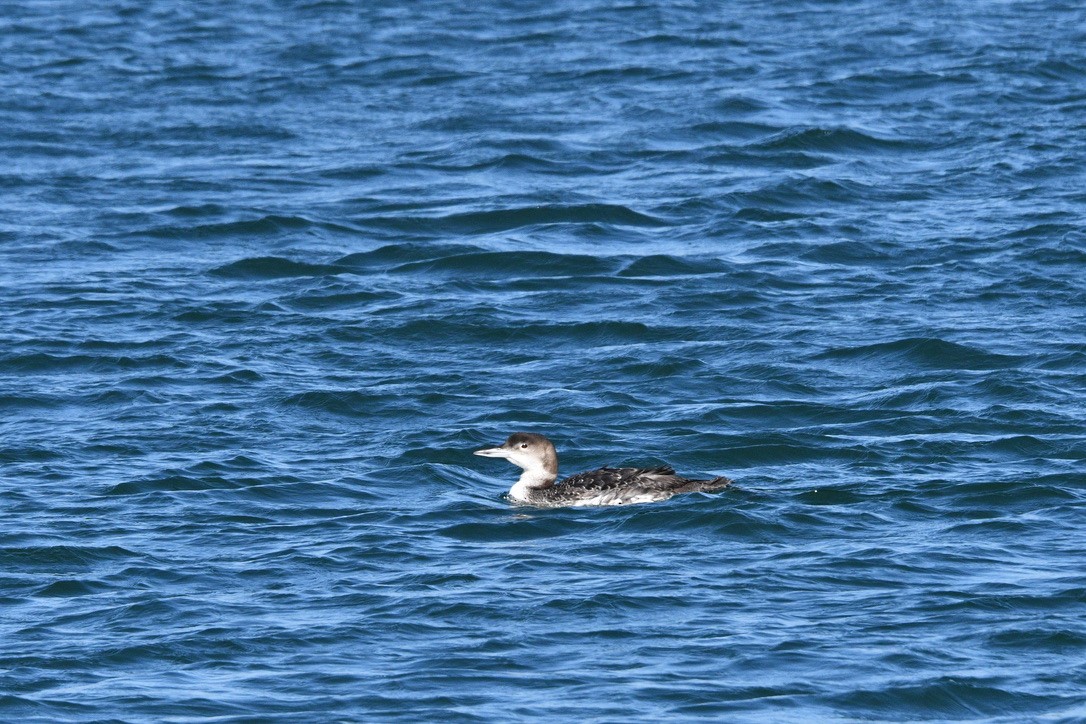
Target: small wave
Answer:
pixel 898 81
pixel 264 226
pixel 659 369
pixel 274 267
pixel 27 401
pixel 349 403
pixel 352 173
pixel 1060 69
pixel 525 162
pixel 1032 639
pixel 424 77
pixel 829 140
pixel 742 130
pixel 28 454
pixel 1010 495
pixel 70 588
pixel 238 377
pixel 488 222
pixel 1041 232
pixel 329 301
pixel 61 556
pixel 505 219
pixel 926 352
pixel 945 697
pixel 517 263
pixel 392 255
pixel 509 162
pixel 740 105
pixel 170 484
pixel 236 462
pixel 86 246
pixel 663 265
pixel 1068 447
pixel 618 74
pixel 850 252
pixel 800 193
pixel 594 334
pixel 197 211
pixel 39 362
pixel 830 496
pixel 534 528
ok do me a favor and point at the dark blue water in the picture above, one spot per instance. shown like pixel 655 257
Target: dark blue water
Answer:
pixel 270 271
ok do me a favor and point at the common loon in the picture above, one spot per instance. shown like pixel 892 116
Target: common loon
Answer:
pixel 536 455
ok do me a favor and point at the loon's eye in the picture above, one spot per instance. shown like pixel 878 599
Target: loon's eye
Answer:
pixel 524 445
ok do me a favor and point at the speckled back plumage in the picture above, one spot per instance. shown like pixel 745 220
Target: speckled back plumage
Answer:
pixel 618 486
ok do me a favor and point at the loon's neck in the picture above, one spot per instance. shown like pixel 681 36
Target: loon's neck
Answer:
pixel 531 480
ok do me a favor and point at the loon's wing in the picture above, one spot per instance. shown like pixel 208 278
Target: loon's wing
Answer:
pixel 618 486
pixel 609 478
pixel 659 479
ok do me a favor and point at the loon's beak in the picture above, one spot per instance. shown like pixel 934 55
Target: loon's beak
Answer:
pixel 493 452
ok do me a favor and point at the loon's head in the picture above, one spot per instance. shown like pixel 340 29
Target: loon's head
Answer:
pixel 533 453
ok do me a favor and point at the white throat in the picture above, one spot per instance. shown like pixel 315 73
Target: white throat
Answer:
pixel 531 479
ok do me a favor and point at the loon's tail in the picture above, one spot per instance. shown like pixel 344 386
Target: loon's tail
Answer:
pixel 705 486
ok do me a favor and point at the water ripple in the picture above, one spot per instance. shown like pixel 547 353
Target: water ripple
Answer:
pixel 270 272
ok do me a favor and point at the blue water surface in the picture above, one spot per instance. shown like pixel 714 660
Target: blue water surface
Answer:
pixel 270 270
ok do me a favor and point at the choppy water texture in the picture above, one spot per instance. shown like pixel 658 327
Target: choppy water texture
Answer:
pixel 269 271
